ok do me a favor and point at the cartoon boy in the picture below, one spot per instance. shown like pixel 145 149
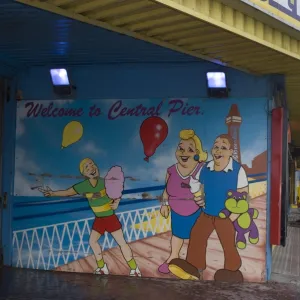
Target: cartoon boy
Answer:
pixel 217 177
pixel 93 188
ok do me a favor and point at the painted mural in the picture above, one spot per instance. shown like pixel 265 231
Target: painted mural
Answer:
pixel 170 188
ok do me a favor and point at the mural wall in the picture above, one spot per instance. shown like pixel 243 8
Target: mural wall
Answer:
pixel 142 187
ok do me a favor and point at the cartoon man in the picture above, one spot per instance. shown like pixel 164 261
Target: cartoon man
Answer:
pixel 93 188
pixel 217 177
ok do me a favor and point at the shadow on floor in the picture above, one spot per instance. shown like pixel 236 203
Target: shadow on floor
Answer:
pixel 31 284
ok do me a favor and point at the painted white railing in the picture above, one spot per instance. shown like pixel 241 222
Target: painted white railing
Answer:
pixel 48 247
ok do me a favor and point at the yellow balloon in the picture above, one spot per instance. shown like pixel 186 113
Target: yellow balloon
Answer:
pixel 72 133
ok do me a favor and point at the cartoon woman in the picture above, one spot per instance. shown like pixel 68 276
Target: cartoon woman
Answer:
pixel 177 196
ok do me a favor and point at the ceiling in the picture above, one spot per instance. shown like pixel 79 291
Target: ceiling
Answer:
pixel 60 40
pixel 208 29
pixel 203 29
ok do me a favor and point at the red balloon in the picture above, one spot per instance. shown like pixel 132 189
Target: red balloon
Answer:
pixel 153 132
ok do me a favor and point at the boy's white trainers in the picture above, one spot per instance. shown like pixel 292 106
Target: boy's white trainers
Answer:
pixel 102 271
pixel 136 272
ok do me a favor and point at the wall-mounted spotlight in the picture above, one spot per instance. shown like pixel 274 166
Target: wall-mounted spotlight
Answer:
pixel 217 85
pixel 60 82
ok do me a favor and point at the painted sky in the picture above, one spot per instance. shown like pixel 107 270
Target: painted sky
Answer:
pixel 117 142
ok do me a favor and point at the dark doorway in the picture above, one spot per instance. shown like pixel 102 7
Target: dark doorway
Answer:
pixel 2 97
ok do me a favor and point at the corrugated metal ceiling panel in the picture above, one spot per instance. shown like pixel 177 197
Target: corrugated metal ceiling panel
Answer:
pixel 202 28
pixel 30 36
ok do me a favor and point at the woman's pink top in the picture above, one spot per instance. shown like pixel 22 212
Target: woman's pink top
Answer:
pixel 181 200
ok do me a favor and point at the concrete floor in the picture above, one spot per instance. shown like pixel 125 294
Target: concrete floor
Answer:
pixel 30 284
pixel 286 260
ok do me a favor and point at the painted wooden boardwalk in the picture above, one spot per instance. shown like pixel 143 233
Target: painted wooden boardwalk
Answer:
pixel 151 252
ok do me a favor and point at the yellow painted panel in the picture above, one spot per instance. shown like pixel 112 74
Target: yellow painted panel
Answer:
pixel 172 28
pixel 83 7
pixel 182 33
pixel 202 39
pixel 175 19
pixel 61 2
pixel 155 13
pixel 238 48
pixel 119 9
pixel 245 26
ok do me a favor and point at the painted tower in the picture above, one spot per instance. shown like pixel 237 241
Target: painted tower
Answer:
pixel 234 121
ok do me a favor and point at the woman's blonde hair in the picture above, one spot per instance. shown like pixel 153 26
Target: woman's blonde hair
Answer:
pixel 187 134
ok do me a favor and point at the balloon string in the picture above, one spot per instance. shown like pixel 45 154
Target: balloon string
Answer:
pixel 146 159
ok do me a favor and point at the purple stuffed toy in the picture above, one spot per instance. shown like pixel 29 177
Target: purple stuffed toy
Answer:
pixel 237 203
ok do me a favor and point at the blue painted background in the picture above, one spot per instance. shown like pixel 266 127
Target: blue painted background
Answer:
pixel 136 81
